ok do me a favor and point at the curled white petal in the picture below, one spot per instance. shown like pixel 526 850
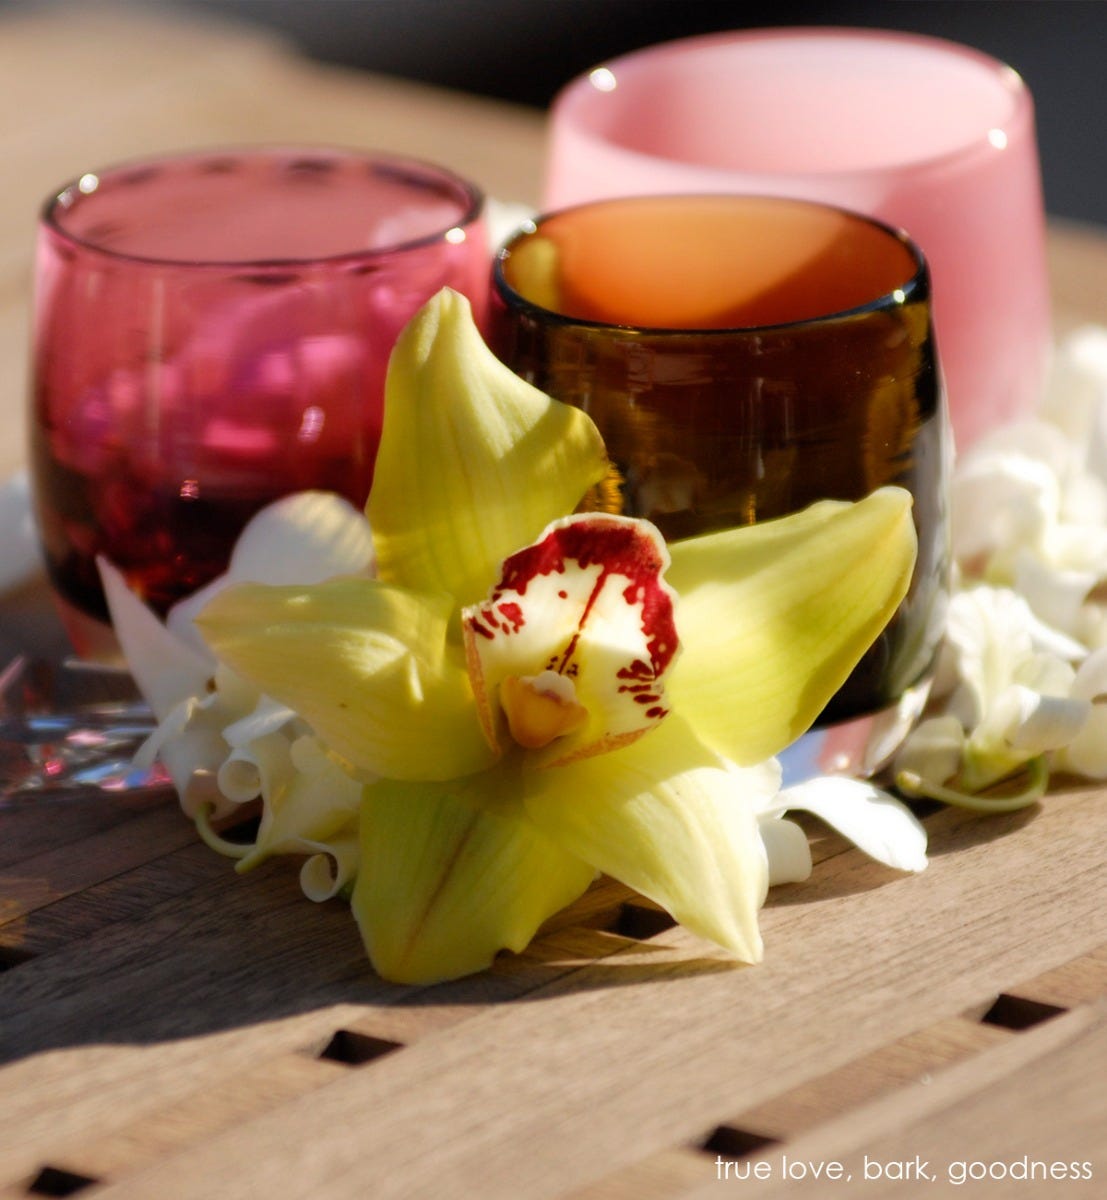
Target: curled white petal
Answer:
pixel 874 821
pixel 263 768
pixel 330 868
pixel 239 777
pixel 193 759
pixel 787 850
pixel 299 806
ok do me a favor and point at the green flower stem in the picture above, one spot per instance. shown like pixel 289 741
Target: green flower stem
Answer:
pixel 1037 770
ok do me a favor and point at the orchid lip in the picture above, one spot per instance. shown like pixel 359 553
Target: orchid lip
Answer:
pixel 574 641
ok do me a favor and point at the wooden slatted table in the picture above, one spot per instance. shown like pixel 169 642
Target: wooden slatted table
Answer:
pixel 169 1030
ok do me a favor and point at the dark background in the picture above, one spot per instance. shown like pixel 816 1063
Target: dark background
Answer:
pixel 524 50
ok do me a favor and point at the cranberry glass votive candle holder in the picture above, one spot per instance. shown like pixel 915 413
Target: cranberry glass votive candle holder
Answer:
pixel 211 332
pixel 927 135
pixel 743 358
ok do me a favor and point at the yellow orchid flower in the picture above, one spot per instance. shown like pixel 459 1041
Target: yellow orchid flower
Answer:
pixel 535 698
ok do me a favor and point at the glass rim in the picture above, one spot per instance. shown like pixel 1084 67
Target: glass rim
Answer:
pixel 914 289
pixel 471 204
pixel 570 104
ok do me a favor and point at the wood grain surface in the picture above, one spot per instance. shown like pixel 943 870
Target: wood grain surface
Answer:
pixel 171 1030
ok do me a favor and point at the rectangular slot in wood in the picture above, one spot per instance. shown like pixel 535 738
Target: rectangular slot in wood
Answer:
pixel 1018 1013
pixel 56 1181
pixel 357 1049
pixel 732 1143
pixel 13 956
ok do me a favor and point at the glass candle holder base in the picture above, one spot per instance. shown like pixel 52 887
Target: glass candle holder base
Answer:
pixel 861 747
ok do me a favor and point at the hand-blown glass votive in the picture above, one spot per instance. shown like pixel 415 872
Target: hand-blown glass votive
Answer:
pixel 212 332
pixel 743 358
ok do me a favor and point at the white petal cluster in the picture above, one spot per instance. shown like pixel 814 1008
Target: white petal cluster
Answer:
pixel 1024 671
pixel 224 744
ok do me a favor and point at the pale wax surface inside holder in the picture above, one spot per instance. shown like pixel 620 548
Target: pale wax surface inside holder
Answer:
pixel 706 263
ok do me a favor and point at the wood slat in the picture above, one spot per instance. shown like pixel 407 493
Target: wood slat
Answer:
pixel 976 1112
pixel 656 1050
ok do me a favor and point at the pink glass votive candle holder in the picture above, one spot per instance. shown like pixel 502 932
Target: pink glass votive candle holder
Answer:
pixel 211 332
pixel 923 134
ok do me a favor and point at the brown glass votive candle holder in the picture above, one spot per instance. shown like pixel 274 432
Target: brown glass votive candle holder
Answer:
pixel 743 358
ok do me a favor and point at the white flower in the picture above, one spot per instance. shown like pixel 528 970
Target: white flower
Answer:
pixel 1086 753
pixel 1023 677
pixel 1014 700
pixel 222 742
pixel 1029 502
pixel 876 822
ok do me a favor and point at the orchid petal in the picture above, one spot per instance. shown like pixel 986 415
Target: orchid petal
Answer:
pixel 192 760
pixel 1055 595
pixel 787 850
pixel 330 867
pixel 1084 504
pixel 1090 681
pixel 261 768
pixel 773 617
pixel 874 821
pixel 267 717
pixel 1001 499
pixel 366 665
pixel 189 742
pixel 453 872
pixel 1019 728
pixel 308 798
pixel 933 749
pixel 666 817
pixel 473 461
pixel 991 632
pixel 1086 753
pixel 1029 722
pixel 586 606
pixel 165 670
pixel 1078 383
pixel 303 538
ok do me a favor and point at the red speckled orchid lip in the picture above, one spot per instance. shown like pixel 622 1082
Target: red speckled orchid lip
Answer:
pixel 586 603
